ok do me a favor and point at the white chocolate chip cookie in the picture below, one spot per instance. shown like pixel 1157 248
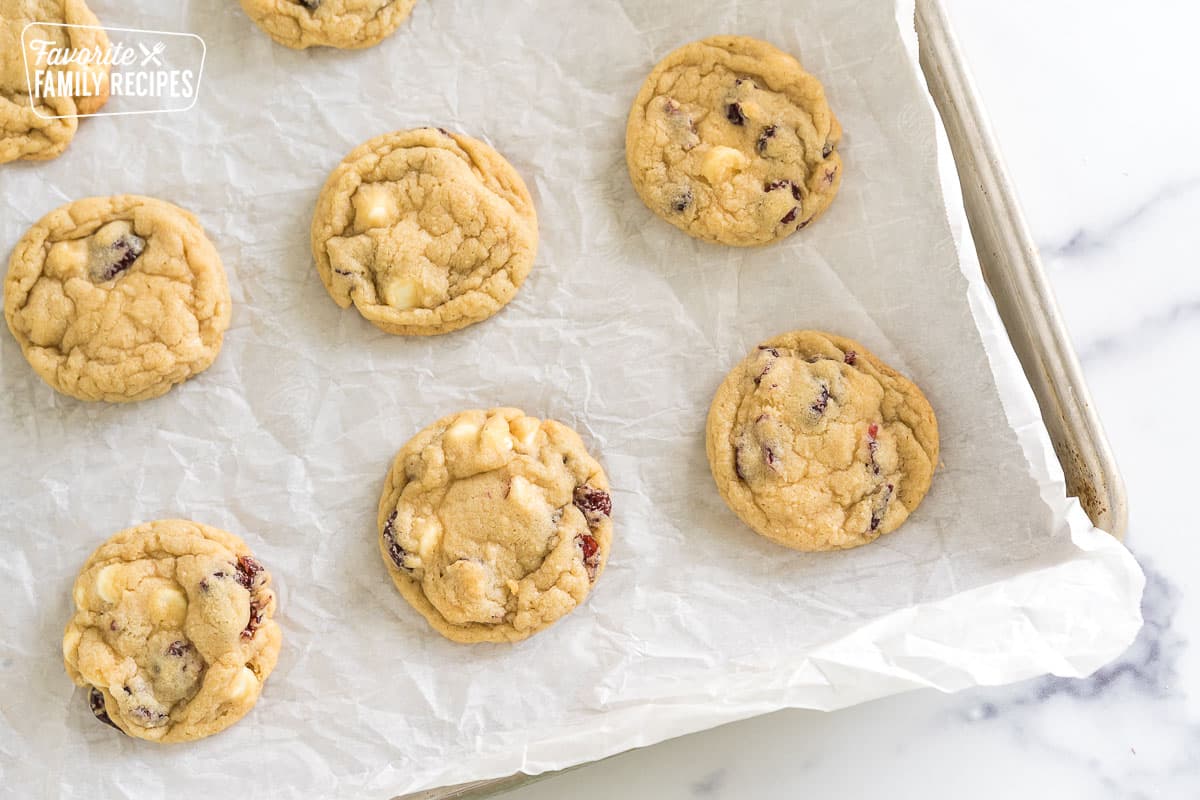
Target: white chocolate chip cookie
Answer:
pixel 494 525
pixel 424 232
pixel 345 24
pixel 732 141
pixel 41 127
pixel 173 633
pixel 117 298
pixel 818 445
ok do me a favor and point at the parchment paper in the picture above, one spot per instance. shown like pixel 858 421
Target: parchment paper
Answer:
pixel 624 330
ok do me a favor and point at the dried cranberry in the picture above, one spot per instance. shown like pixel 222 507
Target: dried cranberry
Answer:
pixel 773 185
pixel 873 446
pixel 148 717
pixel 881 507
pixel 178 648
pixel 96 703
pixel 256 617
pixel 594 503
pixel 767 134
pixel 733 112
pixel 795 191
pixel 789 217
pixel 119 256
pixel 830 174
pixel 767 366
pixel 397 553
pixel 768 456
pixel 850 357
pixel 682 200
pixel 588 543
pixel 311 5
pixel 247 569
pixel 770 350
pixel 826 150
pixel 591 553
pixel 822 401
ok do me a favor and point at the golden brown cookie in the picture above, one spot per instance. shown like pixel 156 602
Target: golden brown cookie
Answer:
pixel 345 24
pixel 117 298
pixel 424 231
pixel 41 127
pixel 732 141
pixel 818 445
pixel 173 633
pixel 494 525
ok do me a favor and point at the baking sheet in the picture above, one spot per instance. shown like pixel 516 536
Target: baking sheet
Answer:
pixel 624 330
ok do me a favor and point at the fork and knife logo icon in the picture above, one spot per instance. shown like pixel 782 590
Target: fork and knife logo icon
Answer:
pixel 151 56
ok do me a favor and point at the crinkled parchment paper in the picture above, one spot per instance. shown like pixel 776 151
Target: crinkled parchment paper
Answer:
pixel 624 330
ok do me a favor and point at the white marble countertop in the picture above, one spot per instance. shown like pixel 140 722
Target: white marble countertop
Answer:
pixel 1092 107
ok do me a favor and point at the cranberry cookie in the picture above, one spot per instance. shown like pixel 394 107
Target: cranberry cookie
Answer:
pixel 117 298
pixel 172 634
pixel 732 141
pixel 345 24
pixel 494 525
pixel 40 128
pixel 424 231
pixel 818 445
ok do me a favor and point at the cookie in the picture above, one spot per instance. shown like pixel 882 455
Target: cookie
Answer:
pixel 173 634
pixel 818 445
pixel 35 127
pixel 494 525
pixel 117 298
pixel 732 141
pixel 345 24
pixel 424 231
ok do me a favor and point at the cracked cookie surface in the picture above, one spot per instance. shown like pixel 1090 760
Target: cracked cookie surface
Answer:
pixel 173 633
pixel 345 24
pixel 424 231
pixel 40 128
pixel 494 524
pixel 732 141
pixel 117 298
pixel 818 445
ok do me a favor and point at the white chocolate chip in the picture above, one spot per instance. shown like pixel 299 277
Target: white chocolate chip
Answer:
pixel 427 532
pixel 67 259
pixel 169 606
pixel 522 492
pixel 495 435
pixel 243 685
pixel 752 110
pixel 106 583
pixel 462 432
pixel 108 235
pixel 401 293
pixel 525 429
pixel 374 207
pixel 721 162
